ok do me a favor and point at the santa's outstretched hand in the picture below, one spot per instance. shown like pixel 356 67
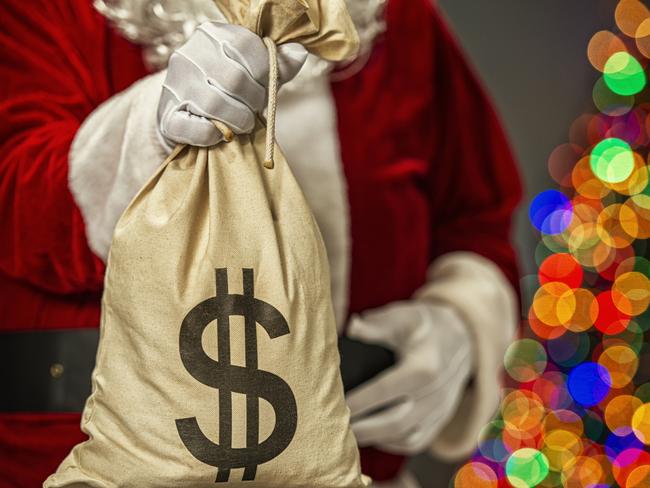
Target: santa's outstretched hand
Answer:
pixel 404 408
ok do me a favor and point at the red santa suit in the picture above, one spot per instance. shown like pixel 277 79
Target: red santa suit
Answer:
pixel 404 164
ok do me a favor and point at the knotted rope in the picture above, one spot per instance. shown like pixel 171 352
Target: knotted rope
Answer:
pixel 270 109
pixel 273 102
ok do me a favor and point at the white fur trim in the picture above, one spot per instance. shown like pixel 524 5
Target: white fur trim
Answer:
pixel 115 151
pixel 484 298
pixel 307 133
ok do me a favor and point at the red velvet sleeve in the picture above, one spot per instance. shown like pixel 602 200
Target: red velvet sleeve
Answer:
pixel 51 78
pixel 475 186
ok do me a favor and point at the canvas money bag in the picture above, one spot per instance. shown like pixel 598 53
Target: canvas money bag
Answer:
pixel 218 359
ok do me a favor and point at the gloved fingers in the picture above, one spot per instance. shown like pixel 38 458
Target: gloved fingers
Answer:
pixel 391 386
pixel 414 442
pixel 242 46
pixel 376 428
pixel 197 95
pixel 220 70
pixel 291 57
pixel 427 369
pixel 408 431
pixel 398 423
pixel 378 326
pixel 398 324
pixel 247 50
pixel 432 414
pixel 454 372
pixel 423 425
pixel 186 128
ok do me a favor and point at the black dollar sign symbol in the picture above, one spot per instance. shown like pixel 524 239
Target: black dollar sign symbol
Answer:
pixel 252 382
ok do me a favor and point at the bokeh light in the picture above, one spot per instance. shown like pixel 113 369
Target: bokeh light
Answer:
pixel 561 448
pixel 643 38
pixel 584 472
pixel 576 410
pixel 561 162
pixel 612 313
pixel 621 362
pixel 635 287
pixel 612 160
pixel 623 74
pixel 551 387
pixel 629 15
pixel 526 468
pixel 476 475
pixel 550 212
pixel 589 383
pixel 569 350
pixel 525 360
pixel 626 462
pixel 639 477
pixel 561 267
pixel 554 303
pixel 641 423
pixel 610 102
pixel 619 412
pixel 602 46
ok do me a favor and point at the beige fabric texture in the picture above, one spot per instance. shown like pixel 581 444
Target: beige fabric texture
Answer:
pixel 218 356
pixel 324 27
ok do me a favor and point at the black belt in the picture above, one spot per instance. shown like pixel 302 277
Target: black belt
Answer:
pixel 46 371
pixel 50 370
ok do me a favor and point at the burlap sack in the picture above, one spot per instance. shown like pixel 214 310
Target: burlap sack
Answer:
pixel 218 353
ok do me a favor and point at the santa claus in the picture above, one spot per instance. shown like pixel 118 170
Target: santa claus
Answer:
pixel 399 153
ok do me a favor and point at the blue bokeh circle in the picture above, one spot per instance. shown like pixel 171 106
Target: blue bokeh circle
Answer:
pixel 589 383
pixel 550 212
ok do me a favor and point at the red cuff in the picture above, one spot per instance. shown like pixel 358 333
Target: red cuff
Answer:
pixel 379 465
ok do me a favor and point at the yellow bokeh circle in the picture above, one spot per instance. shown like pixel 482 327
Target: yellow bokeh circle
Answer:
pixel 611 227
pixel 554 303
pixel 561 448
pixel 622 363
pixel 641 423
pixel 635 216
pixel 584 472
pixel 619 412
pixel 635 287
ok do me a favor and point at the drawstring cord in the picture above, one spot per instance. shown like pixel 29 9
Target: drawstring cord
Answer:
pixel 273 102
pixel 270 109
pixel 227 132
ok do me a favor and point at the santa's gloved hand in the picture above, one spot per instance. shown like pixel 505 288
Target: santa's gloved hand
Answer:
pixel 221 73
pixel 403 408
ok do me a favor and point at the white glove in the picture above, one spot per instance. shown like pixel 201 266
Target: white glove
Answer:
pixel 403 408
pixel 220 73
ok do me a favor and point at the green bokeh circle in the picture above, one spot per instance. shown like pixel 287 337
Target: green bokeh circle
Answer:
pixel 612 160
pixel 525 360
pixel 526 468
pixel 623 74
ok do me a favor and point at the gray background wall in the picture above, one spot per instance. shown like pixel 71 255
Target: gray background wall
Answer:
pixel 532 58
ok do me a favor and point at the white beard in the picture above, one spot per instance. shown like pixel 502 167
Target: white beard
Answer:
pixel 161 26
